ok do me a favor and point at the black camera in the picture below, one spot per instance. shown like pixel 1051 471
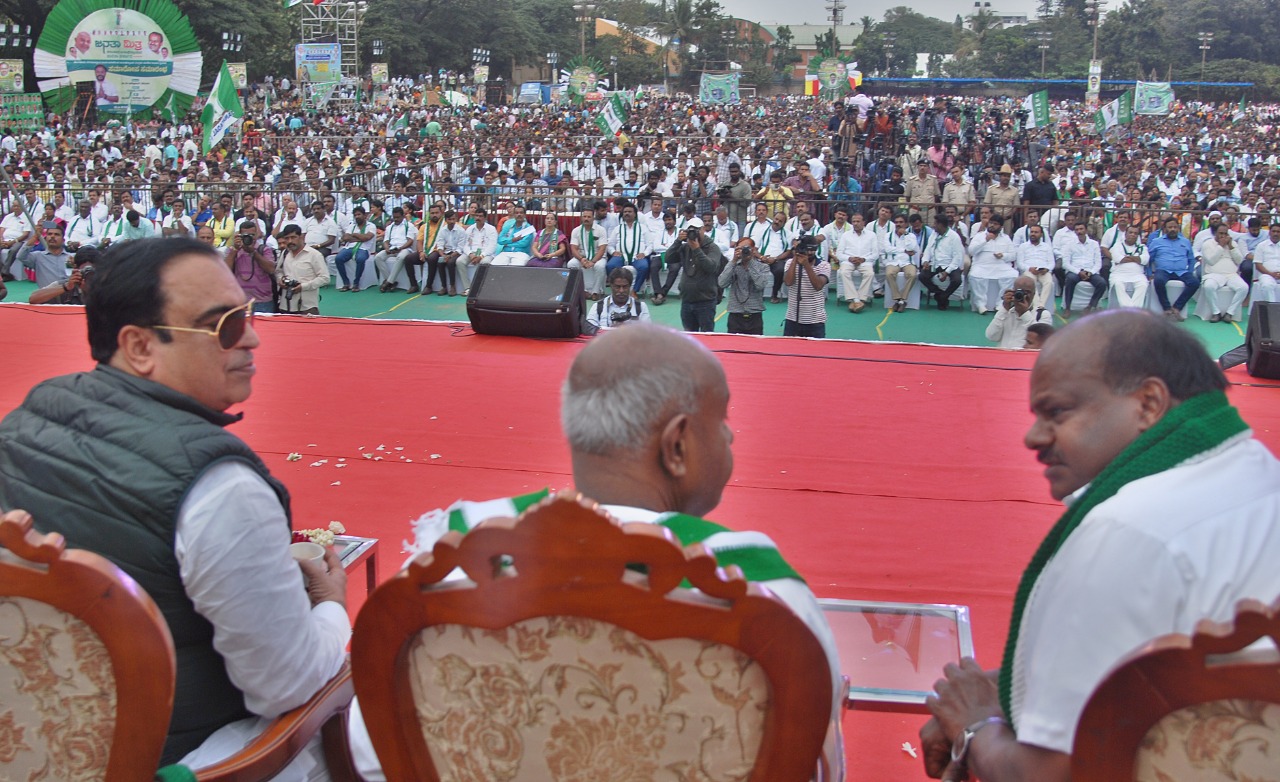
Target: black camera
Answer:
pixel 246 240
pixel 620 317
pixel 1020 295
pixel 86 271
pixel 287 284
pixel 807 244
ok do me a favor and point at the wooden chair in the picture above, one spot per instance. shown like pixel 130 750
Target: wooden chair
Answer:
pixel 87 671
pixel 571 653
pixel 86 664
pixel 1199 708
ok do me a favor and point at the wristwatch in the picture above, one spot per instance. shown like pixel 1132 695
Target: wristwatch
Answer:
pixel 960 748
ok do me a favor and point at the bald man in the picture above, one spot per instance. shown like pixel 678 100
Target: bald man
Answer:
pixel 644 410
pixel 1173 517
pixel 1017 311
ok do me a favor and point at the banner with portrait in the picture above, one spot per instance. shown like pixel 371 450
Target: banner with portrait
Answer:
pixel 12 75
pixel 318 63
pixel 133 54
pixel 379 73
pixel 719 88
pixel 239 74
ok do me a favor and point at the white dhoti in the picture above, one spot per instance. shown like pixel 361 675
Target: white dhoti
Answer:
pixel 593 277
pixel 510 259
pixel 1212 283
pixel 1129 291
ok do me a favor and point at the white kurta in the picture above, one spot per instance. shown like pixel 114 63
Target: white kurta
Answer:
pixel 1164 553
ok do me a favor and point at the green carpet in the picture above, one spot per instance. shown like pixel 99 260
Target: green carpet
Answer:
pixel 957 326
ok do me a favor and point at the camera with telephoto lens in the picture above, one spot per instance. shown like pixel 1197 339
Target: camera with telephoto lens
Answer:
pixel 807 244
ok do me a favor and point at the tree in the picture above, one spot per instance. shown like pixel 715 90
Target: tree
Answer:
pixel 784 52
pixel 828 43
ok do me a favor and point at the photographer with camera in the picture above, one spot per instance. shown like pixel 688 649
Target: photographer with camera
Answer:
pixel 698 260
pixel 806 279
pixel 301 273
pixel 254 265
pixel 744 280
pixel 73 289
pixel 619 308
pixel 1016 312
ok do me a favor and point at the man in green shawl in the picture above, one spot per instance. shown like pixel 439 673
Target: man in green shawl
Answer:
pixel 644 410
pixel 1173 517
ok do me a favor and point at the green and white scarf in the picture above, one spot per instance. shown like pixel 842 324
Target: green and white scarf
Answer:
pixel 1201 424
pixel 754 553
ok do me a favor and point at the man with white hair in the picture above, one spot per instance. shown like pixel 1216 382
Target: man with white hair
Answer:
pixel 644 410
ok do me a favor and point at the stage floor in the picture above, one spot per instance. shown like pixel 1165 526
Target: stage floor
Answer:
pixel 883 471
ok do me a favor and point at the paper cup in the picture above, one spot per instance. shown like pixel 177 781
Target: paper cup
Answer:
pixel 306 551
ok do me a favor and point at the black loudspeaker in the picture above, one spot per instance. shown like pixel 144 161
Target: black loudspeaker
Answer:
pixel 519 301
pixel 1263 340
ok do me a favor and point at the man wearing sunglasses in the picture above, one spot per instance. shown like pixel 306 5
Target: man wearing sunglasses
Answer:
pixel 132 461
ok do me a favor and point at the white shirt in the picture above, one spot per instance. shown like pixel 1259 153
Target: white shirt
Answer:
pixel 900 250
pixel 278 649
pixel 396 235
pixel 1129 272
pixel 14 227
pixel 1009 329
pixel 315 232
pixel 945 252
pixel 1267 254
pixel 865 245
pixel 369 245
pixel 1078 256
pixel 482 240
pixel 630 242
pixel 84 230
pixel 1035 256
pixel 1163 554
pixel 725 235
pixel 600 314
pixel 984 253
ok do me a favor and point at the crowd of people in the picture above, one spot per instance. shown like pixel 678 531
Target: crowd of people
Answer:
pixel 899 194
pixel 1131 421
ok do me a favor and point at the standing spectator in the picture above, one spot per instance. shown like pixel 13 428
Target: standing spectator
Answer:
pixel 806 279
pixel 922 193
pixel 254 265
pixel 959 192
pixel 744 280
pixel 735 194
pixel 1041 192
pixel 699 262
pixel 1003 198
pixel 300 275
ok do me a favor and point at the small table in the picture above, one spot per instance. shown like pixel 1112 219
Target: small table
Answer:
pixel 894 652
pixel 353 550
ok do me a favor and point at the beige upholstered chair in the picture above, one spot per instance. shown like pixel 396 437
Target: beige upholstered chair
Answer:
pixel 1199 708
pixel 571 654
pixel 87 676
pixel 86 664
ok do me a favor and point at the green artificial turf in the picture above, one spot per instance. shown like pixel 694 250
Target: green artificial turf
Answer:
pixel 957 326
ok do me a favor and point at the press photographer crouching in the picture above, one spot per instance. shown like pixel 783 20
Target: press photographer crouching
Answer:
pixel 73 289
pixel 619 308
pixel 1015 315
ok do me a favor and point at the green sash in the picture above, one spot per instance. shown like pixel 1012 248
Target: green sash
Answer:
pixel 759 560
pixel 1198 425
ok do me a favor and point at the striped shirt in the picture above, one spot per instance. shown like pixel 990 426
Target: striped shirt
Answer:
pixel 806 304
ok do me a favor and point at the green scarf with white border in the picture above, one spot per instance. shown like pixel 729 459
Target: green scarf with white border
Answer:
pixel 752 552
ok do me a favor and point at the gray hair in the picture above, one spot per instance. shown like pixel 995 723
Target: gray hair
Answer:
pixel 620 414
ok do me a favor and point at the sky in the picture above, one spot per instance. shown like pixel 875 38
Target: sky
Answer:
pixel 814 11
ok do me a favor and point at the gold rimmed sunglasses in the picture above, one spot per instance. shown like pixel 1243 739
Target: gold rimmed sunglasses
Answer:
pixel 230 328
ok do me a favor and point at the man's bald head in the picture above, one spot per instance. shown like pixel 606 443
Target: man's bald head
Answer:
pixel 627 382
pixel 645 412
pixel 1132 345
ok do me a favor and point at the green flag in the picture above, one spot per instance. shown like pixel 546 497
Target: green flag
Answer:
pixel 170 111
pixel 1239 114
pixel 1037 107
pixel 223 109
pixel 1117 112
pixel 612 116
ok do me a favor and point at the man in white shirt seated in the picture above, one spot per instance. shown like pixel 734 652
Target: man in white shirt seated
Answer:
pixel 619 308
pixel 1034 257
pixel 1138 440
pixel 1266 265
pixel 992 268
pixel 1016 313
pixel 15 228
pixel 1082 262
pixel 644 410
pixel 83 230
pixel 1129 261
pixel 857 253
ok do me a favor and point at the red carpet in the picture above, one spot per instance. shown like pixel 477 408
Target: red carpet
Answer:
pixel 884 472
